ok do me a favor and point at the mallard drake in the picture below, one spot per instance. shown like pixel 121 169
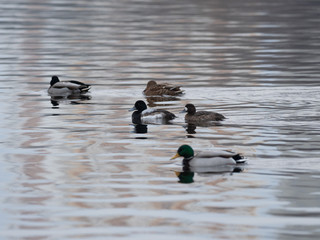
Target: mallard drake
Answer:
pixel 154 89
pixel 143 115
pixel 61 88
pixel 194 116
pixel 207 159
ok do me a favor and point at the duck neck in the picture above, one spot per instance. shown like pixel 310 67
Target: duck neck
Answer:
pixel 186 161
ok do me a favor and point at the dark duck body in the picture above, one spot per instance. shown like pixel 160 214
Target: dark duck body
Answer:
pixel 194 116
pixel 165 89
pixel 142 114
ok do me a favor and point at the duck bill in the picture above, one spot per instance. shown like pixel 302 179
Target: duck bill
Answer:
pixel 132 109
pixel 175 156
pixel 183 111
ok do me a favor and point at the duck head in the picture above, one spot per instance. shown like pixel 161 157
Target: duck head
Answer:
pixel 139 106
pixel 184 151
pixel 151 84
pixel 190 109
pixel 54 80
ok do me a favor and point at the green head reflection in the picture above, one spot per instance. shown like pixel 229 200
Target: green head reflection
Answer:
pixel 185 177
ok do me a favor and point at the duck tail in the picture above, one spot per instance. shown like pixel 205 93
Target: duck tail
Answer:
pixel 238 158
pixel 169 116
pixel 85 88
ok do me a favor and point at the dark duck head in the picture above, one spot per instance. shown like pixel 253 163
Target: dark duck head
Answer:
pixel 54 80
pixel 139 106
pixel 190 109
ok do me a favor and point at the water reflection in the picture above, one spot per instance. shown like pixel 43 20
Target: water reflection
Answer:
pixel 187 174
pixel 155 101
pixel 300 191
pixel 72 99
pixel 185 177
pixel 214 170
pixel 191 127
pixel 140 128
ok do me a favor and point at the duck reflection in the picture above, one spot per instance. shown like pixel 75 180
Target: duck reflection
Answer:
pixel 156 101
pixel 187 174
pixel 213 170
pixel 185 177
pixel 72 99
pixel 140 128
pixel 190 128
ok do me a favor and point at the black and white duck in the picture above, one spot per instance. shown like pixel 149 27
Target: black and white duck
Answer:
pixel 142 114
pixel 61 88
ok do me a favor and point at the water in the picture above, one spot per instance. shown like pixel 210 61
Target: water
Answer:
pixel 77 169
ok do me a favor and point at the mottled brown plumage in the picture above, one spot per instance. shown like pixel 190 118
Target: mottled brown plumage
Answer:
pixel 194 116
pixel 154 89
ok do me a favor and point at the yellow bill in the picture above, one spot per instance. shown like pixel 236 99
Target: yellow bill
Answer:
pixel 175 156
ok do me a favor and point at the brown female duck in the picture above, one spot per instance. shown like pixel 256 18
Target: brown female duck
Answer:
pixel 154 89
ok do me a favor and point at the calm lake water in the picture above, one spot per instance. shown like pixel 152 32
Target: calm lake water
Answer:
pixel 79 169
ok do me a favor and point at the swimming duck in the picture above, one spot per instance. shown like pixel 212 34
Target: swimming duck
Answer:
pixel 207 159
pixel 194 116
pixel 61 88
pixel 143 115
pixel 154 89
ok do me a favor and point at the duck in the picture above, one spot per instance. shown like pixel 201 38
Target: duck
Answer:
pixel 208 158
pixel 194 116
pixel 154 89
pixel 62 88
pixel 142 114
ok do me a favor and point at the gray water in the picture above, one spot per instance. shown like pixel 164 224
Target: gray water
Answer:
pixel 77 168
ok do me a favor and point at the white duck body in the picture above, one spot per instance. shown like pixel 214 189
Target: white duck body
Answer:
pixel 210 159
pixel 156 116
pixel 61 88
pixel 64 88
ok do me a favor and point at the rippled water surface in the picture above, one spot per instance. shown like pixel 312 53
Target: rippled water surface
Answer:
pixel 77 168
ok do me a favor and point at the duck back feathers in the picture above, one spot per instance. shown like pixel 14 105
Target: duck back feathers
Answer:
pixel 236 157
pixel 154 89
pixel 208 162
pixel 195 116
pixel 67 87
